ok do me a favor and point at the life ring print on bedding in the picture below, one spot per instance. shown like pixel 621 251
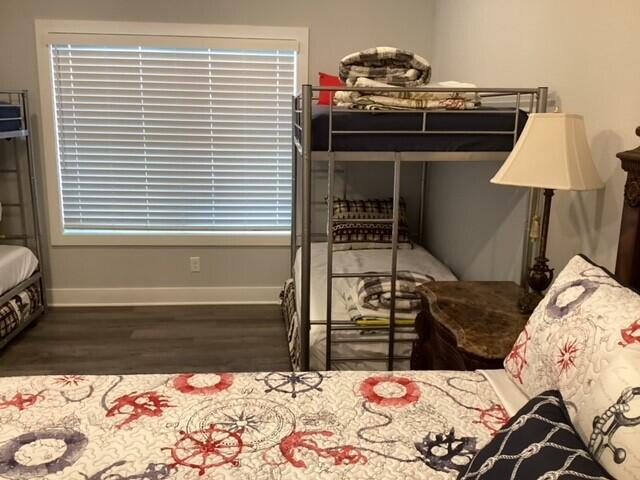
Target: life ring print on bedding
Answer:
pixel 40 453
pixel 390 391
pixel 190 384
pixel 569 296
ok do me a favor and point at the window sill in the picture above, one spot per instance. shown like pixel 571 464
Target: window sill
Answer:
pixel 172 239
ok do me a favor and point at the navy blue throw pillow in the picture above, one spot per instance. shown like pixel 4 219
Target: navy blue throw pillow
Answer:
pixel 539 442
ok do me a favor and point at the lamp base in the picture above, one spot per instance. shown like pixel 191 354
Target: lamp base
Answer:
pixel 528 301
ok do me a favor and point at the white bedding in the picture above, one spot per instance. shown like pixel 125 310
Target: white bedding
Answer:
pixel 508 392
pixel 416 259
pixel 16 265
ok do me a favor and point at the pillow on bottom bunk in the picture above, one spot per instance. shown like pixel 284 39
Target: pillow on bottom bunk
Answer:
pixel 360 236
pixel 538 442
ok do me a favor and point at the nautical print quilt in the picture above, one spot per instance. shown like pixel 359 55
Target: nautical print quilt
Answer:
pixel 253 426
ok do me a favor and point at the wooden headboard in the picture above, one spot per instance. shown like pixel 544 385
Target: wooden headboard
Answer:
pixel 628 261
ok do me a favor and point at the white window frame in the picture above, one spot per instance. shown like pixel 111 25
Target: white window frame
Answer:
pixel 55 31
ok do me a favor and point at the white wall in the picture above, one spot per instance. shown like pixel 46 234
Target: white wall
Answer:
pixel 587 52
pixel 335 30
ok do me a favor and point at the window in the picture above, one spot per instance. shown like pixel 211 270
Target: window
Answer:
pixel 158 138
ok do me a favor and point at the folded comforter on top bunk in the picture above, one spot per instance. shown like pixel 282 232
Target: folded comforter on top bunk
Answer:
pixel 389 65
pixel 370 302
pixel 403 100
pixel 384 67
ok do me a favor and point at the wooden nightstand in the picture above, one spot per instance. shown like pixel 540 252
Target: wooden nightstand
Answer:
pixel 466 325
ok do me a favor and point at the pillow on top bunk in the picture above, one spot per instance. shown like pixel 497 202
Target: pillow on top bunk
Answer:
pixel 359 236
pixel 327 80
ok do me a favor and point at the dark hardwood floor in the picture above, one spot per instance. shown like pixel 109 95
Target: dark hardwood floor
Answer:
pixel 150 340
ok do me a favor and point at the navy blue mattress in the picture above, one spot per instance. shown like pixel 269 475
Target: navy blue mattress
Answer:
pixel 485 119
pixel 9 111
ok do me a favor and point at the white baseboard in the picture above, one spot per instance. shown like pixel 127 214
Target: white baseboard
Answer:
pixel 94 297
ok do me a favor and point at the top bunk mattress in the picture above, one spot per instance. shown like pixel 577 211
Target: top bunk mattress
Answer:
pixel 484 119
pixel 9 117
pixel 16 265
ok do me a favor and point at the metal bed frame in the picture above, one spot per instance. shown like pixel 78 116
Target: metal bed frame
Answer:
pixel 303 154
pixel 30 234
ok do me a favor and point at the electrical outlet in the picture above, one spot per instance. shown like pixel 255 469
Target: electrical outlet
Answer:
pixel 194 262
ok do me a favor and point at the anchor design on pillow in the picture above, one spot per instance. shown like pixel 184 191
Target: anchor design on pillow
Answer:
pixel 605 426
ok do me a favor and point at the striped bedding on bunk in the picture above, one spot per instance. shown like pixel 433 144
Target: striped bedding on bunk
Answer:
pixel 370 302
pixel 291 321
pixel 385 64
pixel 19 309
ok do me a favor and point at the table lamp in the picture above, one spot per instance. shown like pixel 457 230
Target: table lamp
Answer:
pixel 552 153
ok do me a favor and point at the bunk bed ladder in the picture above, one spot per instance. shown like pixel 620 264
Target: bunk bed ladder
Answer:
pixel 392 274
pixel 330 275
pixel 394 258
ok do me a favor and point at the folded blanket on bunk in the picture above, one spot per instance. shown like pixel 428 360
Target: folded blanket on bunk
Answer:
pixel 385 64
pixel 370 302
pixel 400 100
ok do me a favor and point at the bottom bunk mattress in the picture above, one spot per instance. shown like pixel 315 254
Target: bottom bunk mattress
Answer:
pixel 364 344
pixel 18 310
pixel 250 426
pixel 16 265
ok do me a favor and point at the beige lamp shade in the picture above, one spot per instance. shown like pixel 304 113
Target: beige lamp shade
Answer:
pixel 552 152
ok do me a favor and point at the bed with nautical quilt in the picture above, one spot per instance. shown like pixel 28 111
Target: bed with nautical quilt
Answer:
pixel 250 426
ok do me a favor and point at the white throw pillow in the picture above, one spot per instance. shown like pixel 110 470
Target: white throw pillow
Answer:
pixel 585 321
pixel 608 420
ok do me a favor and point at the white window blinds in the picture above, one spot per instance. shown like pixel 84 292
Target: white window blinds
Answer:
pixel 180 139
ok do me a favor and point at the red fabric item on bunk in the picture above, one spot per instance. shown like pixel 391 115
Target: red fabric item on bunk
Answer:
pixel 327 80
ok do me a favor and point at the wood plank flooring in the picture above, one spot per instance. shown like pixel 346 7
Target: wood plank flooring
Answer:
pixel 150 340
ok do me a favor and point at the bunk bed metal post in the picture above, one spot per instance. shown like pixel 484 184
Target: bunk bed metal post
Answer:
pixel 532 204
pixel 305 324
pixel 424 175
pixel 294 184
pixel 394 258
pixel 330 223
pixel 33 184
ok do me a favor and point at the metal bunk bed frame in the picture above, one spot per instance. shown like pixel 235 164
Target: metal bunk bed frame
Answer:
pixel 32 239
pixel 303 153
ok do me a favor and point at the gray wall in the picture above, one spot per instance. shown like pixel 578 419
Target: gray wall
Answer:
pixel 584 50
pixel 474 227
pixel 334 31
pixel 587 52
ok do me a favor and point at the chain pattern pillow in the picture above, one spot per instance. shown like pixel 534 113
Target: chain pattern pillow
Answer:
pixel 539 442
pixel 585 321
pixel 357 236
